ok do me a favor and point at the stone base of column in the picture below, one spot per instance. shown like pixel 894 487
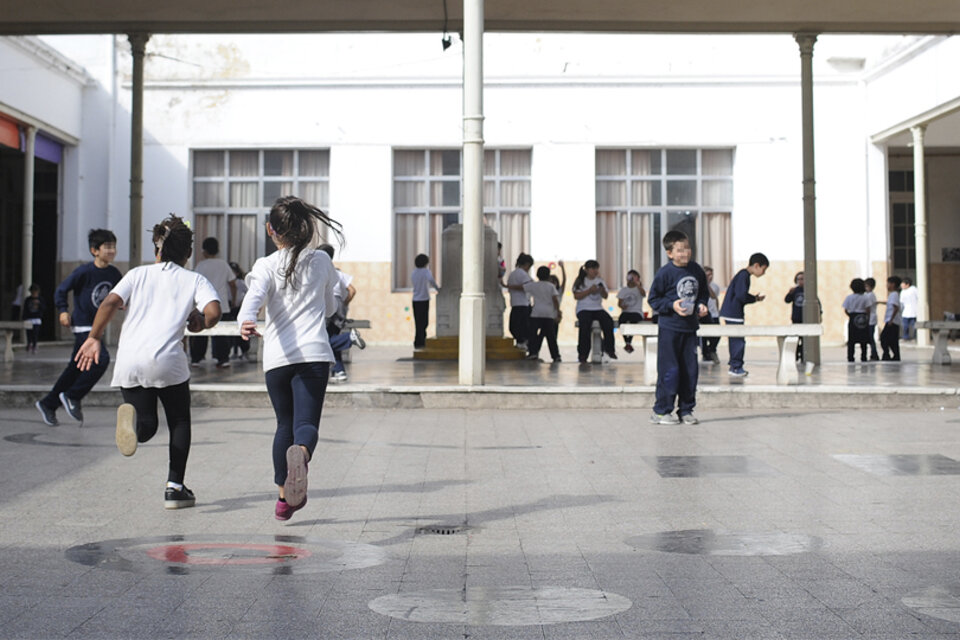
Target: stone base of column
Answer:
pixel 472 339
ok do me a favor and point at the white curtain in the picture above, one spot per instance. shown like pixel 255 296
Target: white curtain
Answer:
pixel 515 162
pixel 611 163
pixel 316 193
pixel 208 194
pixel 408 163
pixel 245 163
pixel 314 163
pixel 515 236
pixel 717 162
pixel 242 240
pixel 641 241
pixel 717 246
pixel 718 193
pixel 243 195
pixel 608 244
pixel 207 164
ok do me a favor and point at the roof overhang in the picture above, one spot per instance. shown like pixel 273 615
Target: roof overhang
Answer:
pixel 651 16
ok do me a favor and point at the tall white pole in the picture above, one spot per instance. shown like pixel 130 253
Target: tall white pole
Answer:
pixel 29 165
pixel 920 221
pixel 811 308
pixel 472 315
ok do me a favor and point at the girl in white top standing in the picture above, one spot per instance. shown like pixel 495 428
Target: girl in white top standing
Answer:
pixel 590 290
pixel 151 364
pixel 296 287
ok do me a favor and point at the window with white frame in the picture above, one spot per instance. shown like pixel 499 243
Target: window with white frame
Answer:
pixel 233 189
pixel 643 193
pixel 427 199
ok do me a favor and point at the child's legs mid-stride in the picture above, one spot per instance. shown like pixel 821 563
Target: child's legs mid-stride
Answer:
pixel 421 316
pixel 537 334
pixel 176 407
pixel 75 383
pixel 297 392
pixel 677 372
pixel 550 333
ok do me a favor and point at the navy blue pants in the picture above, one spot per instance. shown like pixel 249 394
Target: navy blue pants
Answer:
pixel 76 384
pixel 296 392
pixel 737 346
pixel 520 324
pixel 677 371
pixel 339 343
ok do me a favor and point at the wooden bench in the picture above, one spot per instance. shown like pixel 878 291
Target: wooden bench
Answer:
pixel 10 328
pixel 788 336
pixel 940 333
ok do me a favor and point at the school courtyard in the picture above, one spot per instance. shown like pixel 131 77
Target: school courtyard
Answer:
pixel 819 511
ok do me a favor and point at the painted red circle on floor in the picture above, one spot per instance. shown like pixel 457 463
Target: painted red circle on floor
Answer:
pixel 272 553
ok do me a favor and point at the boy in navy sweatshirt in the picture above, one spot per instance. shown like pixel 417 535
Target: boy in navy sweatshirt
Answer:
pixel 679 295
pixel 738 295
pixel 90 284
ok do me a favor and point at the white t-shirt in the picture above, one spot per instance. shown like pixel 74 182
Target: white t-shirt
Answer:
pixel 519 298
pixel 220 275
pixel 909 300
pixel 891 315
pixel 543 293
pixel 594 301
pixel 158 297
pixel 296 314
pixel 872 301
pixel 422 279
pixel 856 303
pixel 632 298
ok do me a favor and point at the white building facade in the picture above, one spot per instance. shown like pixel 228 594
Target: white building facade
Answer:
pixel 596 145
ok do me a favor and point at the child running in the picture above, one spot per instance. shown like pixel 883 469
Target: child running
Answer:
pixel 296 286
pixel 160 299
pixel 90 284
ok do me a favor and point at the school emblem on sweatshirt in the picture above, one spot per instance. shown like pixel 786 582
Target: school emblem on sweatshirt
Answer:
pixel 798 299
pixel 100 293
pixel 687 290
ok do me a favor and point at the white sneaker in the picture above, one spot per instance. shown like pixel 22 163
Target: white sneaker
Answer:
pixel 339 376
pixel 357 340
pixel 604 359
pixel 689 418
pixel 666 418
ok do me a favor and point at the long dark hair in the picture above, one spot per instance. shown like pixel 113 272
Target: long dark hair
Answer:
pixel 297 225
pixel 582 275
pixel 173 240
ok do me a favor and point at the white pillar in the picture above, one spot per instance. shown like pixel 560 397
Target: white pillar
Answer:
pixel 811 310
pixel 920 221
pixel 472 316
pixel 29 165
pixel 138 46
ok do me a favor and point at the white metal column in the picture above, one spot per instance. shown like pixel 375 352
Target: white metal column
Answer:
pixel 472 316
pixel 920 221
pixel 811 310
pixel 29 166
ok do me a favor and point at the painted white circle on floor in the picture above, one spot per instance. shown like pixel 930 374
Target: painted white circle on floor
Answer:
pixel 502 606
pixel 938 601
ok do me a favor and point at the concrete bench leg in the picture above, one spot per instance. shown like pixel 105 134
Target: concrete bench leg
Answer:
pixel 596 342
pixel 649 359
pixel 7 355
pixel 787 369
pixel 940 353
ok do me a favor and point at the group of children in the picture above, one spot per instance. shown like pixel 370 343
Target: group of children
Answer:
pixel 297 287
pixel 861 309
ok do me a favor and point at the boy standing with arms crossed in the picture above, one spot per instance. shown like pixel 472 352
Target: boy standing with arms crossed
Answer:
pixel 679 295
pixel 738 296
pixel 90 284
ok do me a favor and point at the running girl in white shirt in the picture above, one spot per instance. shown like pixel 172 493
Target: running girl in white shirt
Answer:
pixel 151 364
pixel 296 286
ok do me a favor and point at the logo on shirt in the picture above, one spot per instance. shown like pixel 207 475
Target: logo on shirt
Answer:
pixel 861 320
pixel 687 290
pixel 100 293
pixel 798 299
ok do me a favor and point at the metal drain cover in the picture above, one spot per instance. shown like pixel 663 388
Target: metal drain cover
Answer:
pixel 442 529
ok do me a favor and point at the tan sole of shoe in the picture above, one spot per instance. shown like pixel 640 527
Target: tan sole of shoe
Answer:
pixel 127 429
pixel 295 488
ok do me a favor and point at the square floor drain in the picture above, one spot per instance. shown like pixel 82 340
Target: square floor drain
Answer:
pixel 902 465
pixel 709 466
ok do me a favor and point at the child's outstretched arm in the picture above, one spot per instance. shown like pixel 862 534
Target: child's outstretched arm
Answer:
pixel 89 352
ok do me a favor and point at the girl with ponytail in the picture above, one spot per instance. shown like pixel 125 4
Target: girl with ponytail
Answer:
pixel 295 286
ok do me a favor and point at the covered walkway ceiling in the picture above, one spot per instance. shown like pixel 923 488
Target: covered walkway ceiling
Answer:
pixel 667 16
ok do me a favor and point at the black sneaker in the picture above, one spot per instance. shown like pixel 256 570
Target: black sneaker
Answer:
pixel 72 407
pixel 49 415
pixel 178 498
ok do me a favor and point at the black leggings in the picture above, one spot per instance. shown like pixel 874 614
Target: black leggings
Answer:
pixel 176 406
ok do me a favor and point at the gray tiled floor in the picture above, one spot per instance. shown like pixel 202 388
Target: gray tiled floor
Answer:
pixel 567 519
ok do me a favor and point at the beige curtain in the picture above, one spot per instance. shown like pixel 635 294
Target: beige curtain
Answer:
pixel 408 163
pixel 717 162
pixel 409 234
pixel 717 246
pixel 244 163
pixel 608 244
pixel 314 163
pixel 515 236
pixel 316 193
pixel 207 164
pixel 641 241
pixel 208 194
